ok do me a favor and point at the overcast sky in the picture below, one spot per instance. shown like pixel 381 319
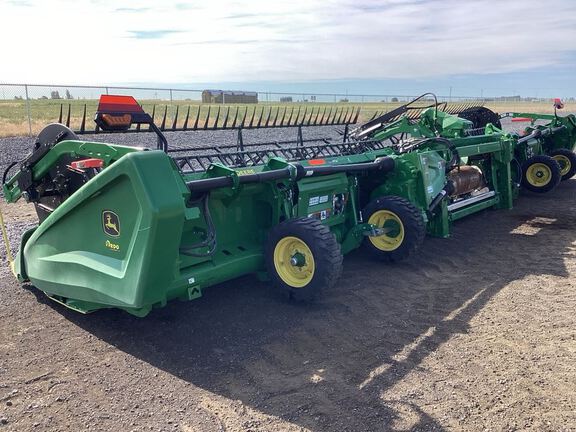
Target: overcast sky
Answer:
pixel 297 41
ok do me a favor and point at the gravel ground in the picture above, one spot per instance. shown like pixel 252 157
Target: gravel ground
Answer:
pixel 16 148
pixel 477 332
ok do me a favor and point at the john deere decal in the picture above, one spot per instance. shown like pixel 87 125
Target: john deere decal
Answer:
pixel 111 223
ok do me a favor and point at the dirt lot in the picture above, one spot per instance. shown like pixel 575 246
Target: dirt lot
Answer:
pixel 476 333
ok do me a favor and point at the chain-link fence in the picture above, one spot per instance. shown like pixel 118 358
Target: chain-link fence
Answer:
pixel 26 108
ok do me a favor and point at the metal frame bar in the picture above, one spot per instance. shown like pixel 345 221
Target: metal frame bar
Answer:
pixel 192 163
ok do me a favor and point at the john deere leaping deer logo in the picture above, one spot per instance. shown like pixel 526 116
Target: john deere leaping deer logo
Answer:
pixel 111 223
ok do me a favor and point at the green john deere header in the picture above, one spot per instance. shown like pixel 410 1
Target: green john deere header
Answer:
pixel 133 228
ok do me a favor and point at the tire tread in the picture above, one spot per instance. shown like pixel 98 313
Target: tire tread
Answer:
pixel 414 227
pixel 328 256
pixel 548 161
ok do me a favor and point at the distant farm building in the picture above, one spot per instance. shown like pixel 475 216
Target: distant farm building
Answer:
pixel 226 96
pixel 286 99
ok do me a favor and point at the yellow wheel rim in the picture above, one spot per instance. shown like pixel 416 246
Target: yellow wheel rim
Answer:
pixel 538 174
pixel 294 262
pixel 392 224
pixel 564 162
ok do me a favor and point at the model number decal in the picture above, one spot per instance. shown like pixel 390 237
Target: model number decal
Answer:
pixel 242 172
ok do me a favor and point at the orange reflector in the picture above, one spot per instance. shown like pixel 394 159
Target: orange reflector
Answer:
pixel 87 163
pixel 120 120
pixel 316 162
pixel 521 119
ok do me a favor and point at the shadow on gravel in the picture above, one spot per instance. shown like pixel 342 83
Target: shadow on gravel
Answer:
pixel 326 367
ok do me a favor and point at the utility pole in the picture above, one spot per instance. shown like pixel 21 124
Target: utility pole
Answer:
pixel 28 110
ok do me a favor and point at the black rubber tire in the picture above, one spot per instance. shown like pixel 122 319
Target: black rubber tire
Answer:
pixel 480 117
pixel 325 250
pixel 571 156
pixel 411 218
pixel 552 165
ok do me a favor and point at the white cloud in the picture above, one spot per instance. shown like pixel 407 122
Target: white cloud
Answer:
pixel 115 41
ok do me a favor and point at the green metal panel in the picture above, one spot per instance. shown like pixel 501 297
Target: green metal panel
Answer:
pixel 70 254
pixel 433 168
pixel 317 196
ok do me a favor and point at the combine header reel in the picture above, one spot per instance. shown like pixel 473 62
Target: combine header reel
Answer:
pixel 235 119
pixel 133 228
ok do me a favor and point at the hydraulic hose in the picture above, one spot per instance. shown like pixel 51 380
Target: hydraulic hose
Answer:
pixel 5 175
pixel 210 241
pixel 455 156
pixel 444 193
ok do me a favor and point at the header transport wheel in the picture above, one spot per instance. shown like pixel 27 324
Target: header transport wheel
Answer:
pixel 567 161
pixel 303 258
pixel 402 225
pixel 540 174
pixel 480 116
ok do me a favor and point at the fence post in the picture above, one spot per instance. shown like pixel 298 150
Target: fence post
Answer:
pixel 28 110
pixel 170 95
pixel 106 90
